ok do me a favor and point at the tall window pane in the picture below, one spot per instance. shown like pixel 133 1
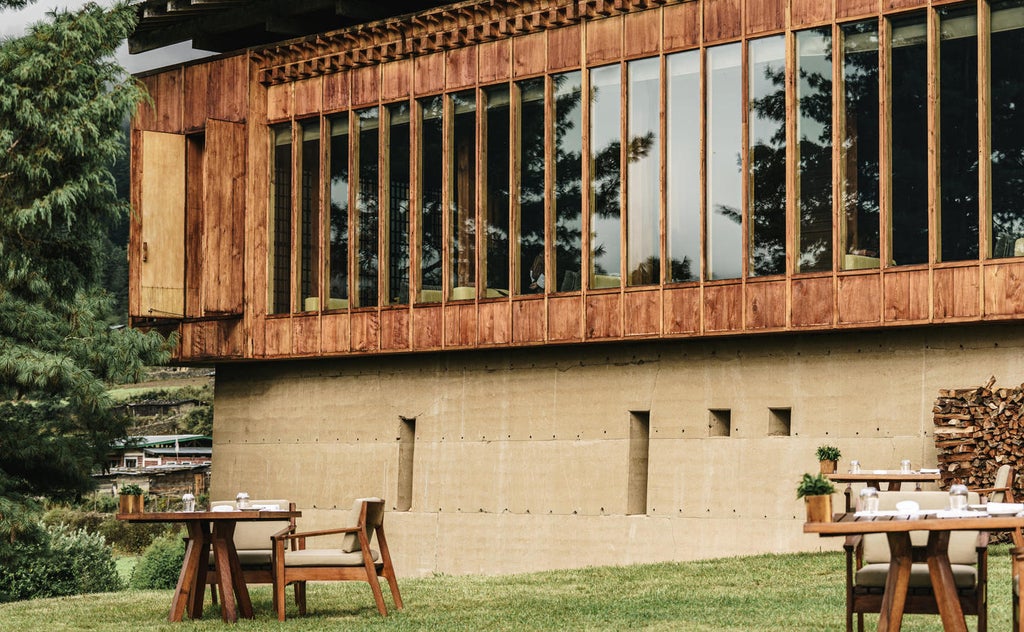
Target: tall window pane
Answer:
pixel 531 277
pixel 605 176
pixel 767 129
pixel 398 204
pixel 643 191
pixel 463 196
pixel 568 194
pixel 498 125
pixel 814 133
pixel 308 240
pixel 683 181
pixel 909 141
pixel 958 131
pixel 724 119
pixel 431 165
pixel 338 233
pixel 860 146
pixel 281 226
pixel 366 205
pixel 1007 102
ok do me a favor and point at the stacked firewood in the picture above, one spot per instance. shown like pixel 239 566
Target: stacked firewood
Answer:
pixel 976 431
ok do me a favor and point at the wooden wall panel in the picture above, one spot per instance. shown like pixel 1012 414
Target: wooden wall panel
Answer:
pixel 228 99
pixel 427 327
pixel 306 334
pixel 529 54
pixel 955 292
pixel 162 200
pixel 682 310
pixel 495 61
pixel 766 305
pixel 365 331
pixel 723 307
pixel 770 15
pixel 462 67
pixel 197 86
pixel 396 80
pixel 211 339
pixel 604 316
pixel 460 325
pixel 643 313
pixel 812 302
pixel 565 318
pixel 279 101
pixel 1004 289
pixel 906 295
pixel 860 299
pixel 494 323
pixel 278 336
pixel 642 33
pixel 722 19
pixel 164 114
pixel 811 12
pixel 429 73
pixel 365 86
pixel 309 96
pixel 853 8
pixel 196 221
pixel 903 4
pixel 337 89
pixel 224 218
pixel 564 48
pixel 334 333
pixel 528 320
pixel 682 25
pixel 604 40
pixel 394 329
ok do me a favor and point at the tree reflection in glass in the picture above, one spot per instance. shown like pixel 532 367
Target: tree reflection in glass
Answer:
pixel 366 205
pixel 767 134
pixel 643 171
pixel 909 144
pixel 398 204
pixel 497 127
pixel 567 196
pixel 814 133
pixel 431 165
pixel 683 181
pixel 724 138
pixel 605 176
pixel 462 200
pixel 531 187
pixel 337 263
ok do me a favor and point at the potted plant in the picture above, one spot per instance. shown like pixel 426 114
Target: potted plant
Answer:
pixel 131 499
pixel 816 490
pixel 828 458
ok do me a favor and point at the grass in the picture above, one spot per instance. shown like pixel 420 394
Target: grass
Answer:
pixel 800 592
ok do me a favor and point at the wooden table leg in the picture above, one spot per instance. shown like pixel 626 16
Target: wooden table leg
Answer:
pixel 189 578
pixel 227 533
pixel 222 562
pixel 195 609
pixel 943 584
pixel 896 582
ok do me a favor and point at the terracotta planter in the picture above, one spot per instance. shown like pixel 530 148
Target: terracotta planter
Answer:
pixel 130 504
pixel 819 508
pixel 828 467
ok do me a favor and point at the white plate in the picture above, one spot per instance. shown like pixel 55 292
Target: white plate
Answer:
pixel 1004 509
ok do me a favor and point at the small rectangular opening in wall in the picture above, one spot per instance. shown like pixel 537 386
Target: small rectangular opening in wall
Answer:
pixel 719 422
pixel 639 457
pixel 779 422
pixel 406 449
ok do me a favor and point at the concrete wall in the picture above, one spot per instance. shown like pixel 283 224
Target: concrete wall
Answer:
pixel 521 457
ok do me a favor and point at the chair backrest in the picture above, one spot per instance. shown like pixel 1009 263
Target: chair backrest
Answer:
pixel 367 513
pixel 255 536
pixel 961 543
pixel 1004 480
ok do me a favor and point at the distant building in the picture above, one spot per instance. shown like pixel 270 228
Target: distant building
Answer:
pixel 161 450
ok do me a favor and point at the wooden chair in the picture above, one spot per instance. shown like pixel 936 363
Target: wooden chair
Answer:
pixel 353 561
pixel 867 566
pixel 1002 488
pixel 254 542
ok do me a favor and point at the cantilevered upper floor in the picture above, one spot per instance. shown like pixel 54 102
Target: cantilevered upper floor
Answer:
pixel 550 171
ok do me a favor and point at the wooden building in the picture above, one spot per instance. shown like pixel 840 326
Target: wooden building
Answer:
pixel 588 279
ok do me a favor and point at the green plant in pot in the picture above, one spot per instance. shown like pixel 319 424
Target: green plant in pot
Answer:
pixel 816 490
pixel 132 500
pixel 828 458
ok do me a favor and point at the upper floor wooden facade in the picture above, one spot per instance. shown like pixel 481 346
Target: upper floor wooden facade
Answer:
pixel 838 212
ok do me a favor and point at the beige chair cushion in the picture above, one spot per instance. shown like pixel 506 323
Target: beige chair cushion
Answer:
pixel 961 543
pixel 327 557
pixel 350 543
pixel 873 576
pixel 254 536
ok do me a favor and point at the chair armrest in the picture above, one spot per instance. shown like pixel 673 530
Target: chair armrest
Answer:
pixel 313 534
pixel 982 542
pixel 284 532
pixel 989 490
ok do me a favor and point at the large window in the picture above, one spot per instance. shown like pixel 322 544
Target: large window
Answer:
pixel 860 192
pixel 337 270
pixel 605 177
pixel 462 192
pixel 814 135
pixel 682 110
pixel 366 205
pixel 643 190
pixel 1007 158
pixel 280 281
pixel 497 127
pixel 766 123
pixel 567 197
pixel 530 133
pixel 398 204
pixel 724 241
pixel 309 218
pixel 431 227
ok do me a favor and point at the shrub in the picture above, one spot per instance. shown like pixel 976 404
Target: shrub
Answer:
pixel 58 562
pixel 160 564
pixel 129 537
pixel 75 519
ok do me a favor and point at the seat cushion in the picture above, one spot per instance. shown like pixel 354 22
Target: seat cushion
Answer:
pixel 255 535
pixel 326 557
pixel 249 558
pixel 873 576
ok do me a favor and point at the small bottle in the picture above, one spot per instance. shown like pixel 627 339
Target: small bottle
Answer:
pixel 905 466
pixel 188 502
pixel 869 500
pixel 854 467
pixel 242 501
pixel 958 497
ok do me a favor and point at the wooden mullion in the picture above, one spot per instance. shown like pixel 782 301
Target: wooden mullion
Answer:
pixel 448 153
pixel 415 202
pixel 934 164
pixel 746 234
pixel 623 175
pixel 384 292
pixel 480 202
pixel 792 209
pixel 353 211
pixel 984 145
pixel 885 142
pixel 515 222
pixel 296 213
pixel 663 232
pixel 586 239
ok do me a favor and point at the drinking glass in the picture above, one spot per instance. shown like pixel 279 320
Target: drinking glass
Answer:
pixel 854 467
pixel 188 502
pixel 958 497
pixel 869 500
pixel 905 466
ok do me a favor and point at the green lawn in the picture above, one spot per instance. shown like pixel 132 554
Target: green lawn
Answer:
pixel 767 592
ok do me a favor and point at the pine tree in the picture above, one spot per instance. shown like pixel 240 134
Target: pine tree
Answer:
pixel 63 101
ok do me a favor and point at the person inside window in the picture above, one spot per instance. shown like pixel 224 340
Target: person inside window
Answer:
pixel 537 274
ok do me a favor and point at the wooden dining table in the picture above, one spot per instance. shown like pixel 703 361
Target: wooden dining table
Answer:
pixel 210 531
pixel 892 479
pixel 897 529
